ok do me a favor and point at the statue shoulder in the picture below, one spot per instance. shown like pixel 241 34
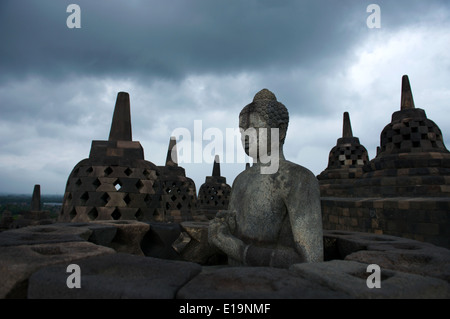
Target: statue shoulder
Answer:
pixel 296 171
pixel 242 176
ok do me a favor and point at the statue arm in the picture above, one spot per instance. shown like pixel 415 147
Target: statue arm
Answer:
pixel 305 215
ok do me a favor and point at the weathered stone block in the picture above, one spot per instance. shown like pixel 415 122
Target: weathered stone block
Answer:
pixel 158 241
pixel 407 256
pixel 350 278
pixel 129 235
pixel 333 219
pixel 43 234
pixel 117 276
pixel 253 283
pixel 18 263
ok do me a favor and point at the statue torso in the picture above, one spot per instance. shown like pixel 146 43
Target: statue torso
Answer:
pixel 258 201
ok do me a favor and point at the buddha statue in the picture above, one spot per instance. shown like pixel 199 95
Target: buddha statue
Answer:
pixel 274 215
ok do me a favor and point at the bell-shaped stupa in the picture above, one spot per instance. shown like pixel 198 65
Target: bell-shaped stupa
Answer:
pixel 345 163
pixel 412 159
pixel 214 194
pixel 115 182
pixel 179 195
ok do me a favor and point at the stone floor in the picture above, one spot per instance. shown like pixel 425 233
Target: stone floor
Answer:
pixel 34 261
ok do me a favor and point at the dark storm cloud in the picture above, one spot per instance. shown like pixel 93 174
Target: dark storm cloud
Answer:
pixel 170 39
pixel 152 40
pixel 173 38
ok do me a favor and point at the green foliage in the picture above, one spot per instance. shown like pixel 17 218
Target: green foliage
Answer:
pixel 19 203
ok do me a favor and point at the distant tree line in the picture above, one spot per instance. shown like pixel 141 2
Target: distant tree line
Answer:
pixel 19 203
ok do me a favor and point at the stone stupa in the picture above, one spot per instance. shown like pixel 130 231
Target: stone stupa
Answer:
pixel 179 195
pixel 214 194
pixel 115 182
pixel 412 159
pixel 345 162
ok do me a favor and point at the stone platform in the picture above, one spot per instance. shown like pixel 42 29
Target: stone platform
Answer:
pixel 114 263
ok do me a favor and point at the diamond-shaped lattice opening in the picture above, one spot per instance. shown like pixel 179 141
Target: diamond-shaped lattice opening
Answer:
pixel 108 171
pixel 147 199
pixel 173 198
pixel 96 183
pixel 183 197
pixel 78 182
pixel 116 214
pixel 117 185
pixel 139 185
pixel 84 197
pixel 127 199
pixel 139 215
pixel 93 214
pixel 89 170
pixel 128 171
pixel 179 205
pixel 105 198
pixel 72 213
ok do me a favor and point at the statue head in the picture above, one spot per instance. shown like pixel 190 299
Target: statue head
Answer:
pixel 265 113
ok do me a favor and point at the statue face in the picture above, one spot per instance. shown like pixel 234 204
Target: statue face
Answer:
pixel 255 134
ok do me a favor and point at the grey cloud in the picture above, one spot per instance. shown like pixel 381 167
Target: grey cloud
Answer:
pixel 171 39
pixel 153 40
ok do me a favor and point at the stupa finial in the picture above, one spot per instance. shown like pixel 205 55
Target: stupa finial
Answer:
pixel 407 101
pixel 121 122
pixel 36 198
pixel 216 167
pixel 347 126
pixel 172 156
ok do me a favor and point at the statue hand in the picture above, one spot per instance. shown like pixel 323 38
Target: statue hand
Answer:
pixel 279 258
pixel 216 226
pixel 221 236
pixel 283 258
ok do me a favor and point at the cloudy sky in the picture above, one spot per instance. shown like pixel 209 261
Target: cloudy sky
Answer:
pixel 203 60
